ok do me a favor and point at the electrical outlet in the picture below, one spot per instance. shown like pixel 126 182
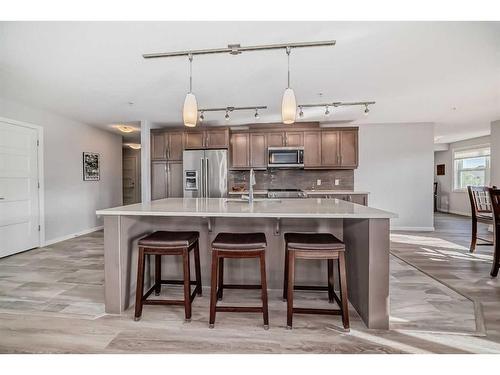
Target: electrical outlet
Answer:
pixel 337 182
pixel 318 182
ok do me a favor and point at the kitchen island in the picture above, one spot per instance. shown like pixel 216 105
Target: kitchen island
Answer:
pixel 364 230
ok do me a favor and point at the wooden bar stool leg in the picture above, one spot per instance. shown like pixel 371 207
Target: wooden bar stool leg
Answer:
pixel 291 276
pixel 187 285
pixel 263 283
pixel 285 276
pixel 197 268
pixel 330 280
pixel 157 275
pixel 140 285
pixel 213 289
pixel 220 290
pixel 343 291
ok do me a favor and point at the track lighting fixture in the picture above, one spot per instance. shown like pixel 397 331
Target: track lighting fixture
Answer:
pixel 227 115
pixel 256 114
pixel 202 116
pixel 335 105
pixel 227 110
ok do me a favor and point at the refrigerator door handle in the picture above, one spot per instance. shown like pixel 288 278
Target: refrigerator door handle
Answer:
pixel 202 179
pixel 207 186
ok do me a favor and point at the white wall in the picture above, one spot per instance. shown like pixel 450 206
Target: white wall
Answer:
pixel 495 153
pixel 458 202
pixel 70 202
pixel 395 166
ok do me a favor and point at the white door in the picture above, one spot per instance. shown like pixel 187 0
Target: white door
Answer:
pixel 19 209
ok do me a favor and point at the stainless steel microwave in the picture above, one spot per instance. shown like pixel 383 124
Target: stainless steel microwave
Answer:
pixel 285 157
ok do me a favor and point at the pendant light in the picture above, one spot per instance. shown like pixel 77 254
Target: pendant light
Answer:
pixel 190 110
pixel 289 103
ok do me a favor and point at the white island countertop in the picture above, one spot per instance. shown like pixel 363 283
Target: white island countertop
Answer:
pixel 222 207
pixel 308 192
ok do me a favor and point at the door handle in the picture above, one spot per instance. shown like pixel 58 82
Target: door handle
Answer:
pixel 202 178
pixel 207 188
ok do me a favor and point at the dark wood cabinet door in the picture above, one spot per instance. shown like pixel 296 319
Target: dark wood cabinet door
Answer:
pixel 158 146
pixel 294 139
pixel 275 139
pixel 240 150
pixel 258 150
pixel 312 149
pixel 174 180
pixel 175 146
pixel 217 138
pixel 349 148
pixel 194 140
pixel 158 180
pixel 330 148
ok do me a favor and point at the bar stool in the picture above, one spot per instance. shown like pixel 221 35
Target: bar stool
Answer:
pixel 315 246
pixel 237 245
pixel 168 243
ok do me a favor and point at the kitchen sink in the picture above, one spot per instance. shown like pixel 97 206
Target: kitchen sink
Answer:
pixel 240 200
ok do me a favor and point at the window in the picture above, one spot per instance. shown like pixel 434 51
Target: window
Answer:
pixel 471 167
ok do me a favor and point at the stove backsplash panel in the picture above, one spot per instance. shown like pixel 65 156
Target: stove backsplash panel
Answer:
pixel 294 179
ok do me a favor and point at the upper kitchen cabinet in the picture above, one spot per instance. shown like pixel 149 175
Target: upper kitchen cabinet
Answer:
pixel 167 146
pixel 285 139
pixel 258 150
pixel 206 139
pixel 248 150
pixel 240 151
pixel 339 148
pixel 312 149
pixel 349 149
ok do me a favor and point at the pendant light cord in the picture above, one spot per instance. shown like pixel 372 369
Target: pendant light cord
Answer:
pixel 288 49
pixel 190 56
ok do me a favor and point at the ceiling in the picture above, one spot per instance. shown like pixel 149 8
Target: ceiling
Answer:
pixel 442 72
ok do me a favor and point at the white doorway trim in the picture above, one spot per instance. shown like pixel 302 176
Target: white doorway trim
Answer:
pixel 41 190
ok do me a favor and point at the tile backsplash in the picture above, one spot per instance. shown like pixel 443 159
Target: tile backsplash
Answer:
pixel 294 179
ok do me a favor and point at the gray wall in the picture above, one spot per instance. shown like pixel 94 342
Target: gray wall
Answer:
pixel 395 166
pixel 70 202
pixel 458 201
pixel 495 153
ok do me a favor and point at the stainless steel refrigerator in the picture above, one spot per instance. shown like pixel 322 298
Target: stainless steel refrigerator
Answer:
pixel 205 173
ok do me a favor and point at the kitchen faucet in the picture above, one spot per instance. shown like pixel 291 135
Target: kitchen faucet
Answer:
pixel 251 183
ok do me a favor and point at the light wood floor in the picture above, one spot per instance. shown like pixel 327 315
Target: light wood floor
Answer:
pixel 442 301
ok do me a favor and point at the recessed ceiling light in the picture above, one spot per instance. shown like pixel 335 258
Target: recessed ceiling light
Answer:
pixel 125 128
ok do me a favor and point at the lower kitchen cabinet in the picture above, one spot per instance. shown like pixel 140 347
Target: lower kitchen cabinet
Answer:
pixel 166 180
pixel 361 199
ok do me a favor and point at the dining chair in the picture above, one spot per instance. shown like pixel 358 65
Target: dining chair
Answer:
pixel 481 211
pixel 494 195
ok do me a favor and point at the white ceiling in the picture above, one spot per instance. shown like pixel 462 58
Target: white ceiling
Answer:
pixel 415 71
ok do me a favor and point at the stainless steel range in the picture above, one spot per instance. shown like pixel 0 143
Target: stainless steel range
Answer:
pixel 286 193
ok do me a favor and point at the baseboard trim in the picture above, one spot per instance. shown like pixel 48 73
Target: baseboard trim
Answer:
pixel 460 213
pixel 413 229
pixel 72 235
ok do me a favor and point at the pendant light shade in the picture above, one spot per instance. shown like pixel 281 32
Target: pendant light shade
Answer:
pixel 288 107
pixel 190 110
pixel 289 103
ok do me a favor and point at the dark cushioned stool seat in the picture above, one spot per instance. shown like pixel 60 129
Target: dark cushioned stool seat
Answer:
pixel 239 241
pixel 313 241
pixel 169 239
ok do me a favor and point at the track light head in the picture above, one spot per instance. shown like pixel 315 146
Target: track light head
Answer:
pixel 202 116
pixel 227 115
pixel 366 110
pixel 301 112
pixel 327 111
pixel 256 114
